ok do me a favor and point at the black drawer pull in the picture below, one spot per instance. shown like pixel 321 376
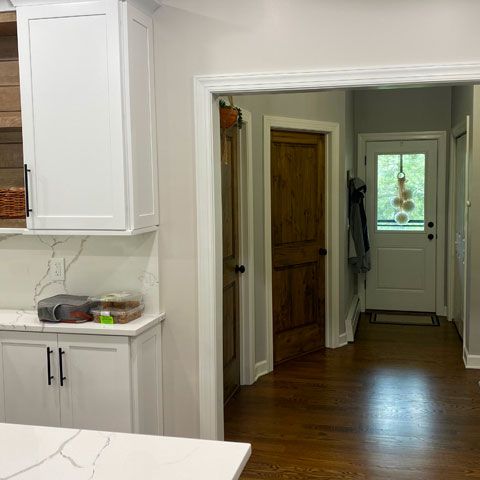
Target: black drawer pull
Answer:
pixel 60 361
pixel 27 194
pixel 49 366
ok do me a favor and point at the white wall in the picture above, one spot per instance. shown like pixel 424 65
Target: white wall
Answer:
pixel 326 106
pixel 226 36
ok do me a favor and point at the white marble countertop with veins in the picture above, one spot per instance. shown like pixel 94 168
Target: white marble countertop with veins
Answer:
pixel 46 453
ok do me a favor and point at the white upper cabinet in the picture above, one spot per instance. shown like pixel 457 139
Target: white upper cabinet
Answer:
pixel 88 116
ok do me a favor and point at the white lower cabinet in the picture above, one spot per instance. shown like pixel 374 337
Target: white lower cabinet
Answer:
pixel 97 382
pixel 28 395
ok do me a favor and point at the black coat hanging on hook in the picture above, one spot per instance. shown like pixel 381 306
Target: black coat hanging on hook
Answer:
pixel 359 256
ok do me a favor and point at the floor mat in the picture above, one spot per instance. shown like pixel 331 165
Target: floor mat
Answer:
pixel 405 318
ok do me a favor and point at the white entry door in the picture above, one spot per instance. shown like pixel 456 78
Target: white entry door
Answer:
pixel 401 210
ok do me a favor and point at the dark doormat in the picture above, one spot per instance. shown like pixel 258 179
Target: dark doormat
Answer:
pixel 405 318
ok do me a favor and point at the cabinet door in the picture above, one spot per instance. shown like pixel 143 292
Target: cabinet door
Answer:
pixel 140 118
pixel 71 95
pixel 96 392
pixel 29 397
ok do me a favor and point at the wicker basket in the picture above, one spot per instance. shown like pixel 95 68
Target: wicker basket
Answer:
pixel 12 202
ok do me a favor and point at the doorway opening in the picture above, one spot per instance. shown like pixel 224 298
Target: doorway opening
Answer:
pixel 205 91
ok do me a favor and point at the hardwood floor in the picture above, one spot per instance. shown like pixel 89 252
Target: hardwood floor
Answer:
pixel 396 404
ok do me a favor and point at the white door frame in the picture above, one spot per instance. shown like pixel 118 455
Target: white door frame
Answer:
pixel 332 224
pixel 208 192
pixel 463 128
pixel 441 138
pixel 247 249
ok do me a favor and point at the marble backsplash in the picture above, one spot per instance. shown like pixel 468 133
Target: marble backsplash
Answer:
pixel 93 265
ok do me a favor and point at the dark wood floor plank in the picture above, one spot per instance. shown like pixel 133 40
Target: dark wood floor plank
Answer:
pixel 397 404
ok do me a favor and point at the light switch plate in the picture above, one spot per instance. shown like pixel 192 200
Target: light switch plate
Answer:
pixel 57 269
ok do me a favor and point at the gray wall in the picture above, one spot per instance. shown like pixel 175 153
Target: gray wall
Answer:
pixel 473 267
pixel 334 106
pixel 407 110
pixel 404 110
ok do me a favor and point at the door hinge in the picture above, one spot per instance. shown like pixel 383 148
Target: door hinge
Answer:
pixel 365 160
pixel 365 283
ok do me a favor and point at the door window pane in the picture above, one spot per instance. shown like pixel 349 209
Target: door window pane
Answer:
pixel 401 192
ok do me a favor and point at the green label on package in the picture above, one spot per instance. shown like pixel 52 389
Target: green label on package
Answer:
pixel 108 319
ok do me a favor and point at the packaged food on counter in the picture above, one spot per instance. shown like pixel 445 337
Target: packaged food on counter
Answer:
pixel 118 300
pixel 117 315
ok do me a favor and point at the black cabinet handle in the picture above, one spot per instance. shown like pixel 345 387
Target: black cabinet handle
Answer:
pixel 49 366
pixel 27 194
pixel 322 251
pixel 239 268
pixel 60 361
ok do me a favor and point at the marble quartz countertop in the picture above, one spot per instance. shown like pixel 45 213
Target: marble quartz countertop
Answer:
pixel 46 453
pixel 27 321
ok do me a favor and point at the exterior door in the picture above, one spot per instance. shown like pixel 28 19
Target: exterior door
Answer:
pixel 231 309
pixel 95 389
pixel 298 241
pixel 29 396
pixel 401 210
pixel 459 264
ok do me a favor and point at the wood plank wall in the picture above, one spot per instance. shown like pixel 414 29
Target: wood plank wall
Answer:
pixel 11 151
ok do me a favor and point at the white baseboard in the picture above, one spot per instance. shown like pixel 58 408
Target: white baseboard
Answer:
pixel 470 361
pixel 351 321
pixel 261 368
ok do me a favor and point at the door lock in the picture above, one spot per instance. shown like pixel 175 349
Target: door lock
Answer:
pixel 430 236
pixel 322 251
pixel 431 224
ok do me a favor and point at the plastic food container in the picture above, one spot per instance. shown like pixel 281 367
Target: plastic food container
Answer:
pixel 117 301
pixel 117 315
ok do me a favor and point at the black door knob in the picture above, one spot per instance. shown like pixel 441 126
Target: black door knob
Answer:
pixel 430 236
pixel 431 224
pixel 239 268
pixel 322 251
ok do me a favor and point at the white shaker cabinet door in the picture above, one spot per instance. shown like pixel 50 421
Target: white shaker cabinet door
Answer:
pixel 96 382
pixel 72 116
pixel 31 394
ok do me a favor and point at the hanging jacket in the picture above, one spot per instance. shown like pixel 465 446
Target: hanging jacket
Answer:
pixel 359 251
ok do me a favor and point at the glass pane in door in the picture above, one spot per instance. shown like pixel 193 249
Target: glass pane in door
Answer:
pixel 400 192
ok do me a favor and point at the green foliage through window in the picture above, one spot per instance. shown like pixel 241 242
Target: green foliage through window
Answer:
pixel 388 167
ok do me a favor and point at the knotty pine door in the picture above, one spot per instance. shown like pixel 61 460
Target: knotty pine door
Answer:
pixel 231 283
pixel 298 242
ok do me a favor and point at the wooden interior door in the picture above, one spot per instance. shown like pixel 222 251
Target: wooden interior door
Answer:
pixel 298 242
pixel 231 310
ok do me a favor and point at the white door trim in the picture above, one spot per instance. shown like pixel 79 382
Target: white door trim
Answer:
pixel 332 224
pixel 463 128
pixel 247 249
pixel 441 138
pixel 208 192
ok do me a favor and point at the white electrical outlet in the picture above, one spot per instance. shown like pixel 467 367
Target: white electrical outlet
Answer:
pixel 57 269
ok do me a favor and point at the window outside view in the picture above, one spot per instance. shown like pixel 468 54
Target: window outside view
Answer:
pixel 401 203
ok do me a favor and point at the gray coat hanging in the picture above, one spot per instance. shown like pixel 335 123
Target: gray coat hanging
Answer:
pixel 359 254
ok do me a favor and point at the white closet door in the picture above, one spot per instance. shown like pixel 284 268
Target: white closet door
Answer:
pixel 29 396
pixel 96 391
pixel 72 113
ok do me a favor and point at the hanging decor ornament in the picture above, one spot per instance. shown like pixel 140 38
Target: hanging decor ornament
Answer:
pixel 230 115
pixel 403 202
